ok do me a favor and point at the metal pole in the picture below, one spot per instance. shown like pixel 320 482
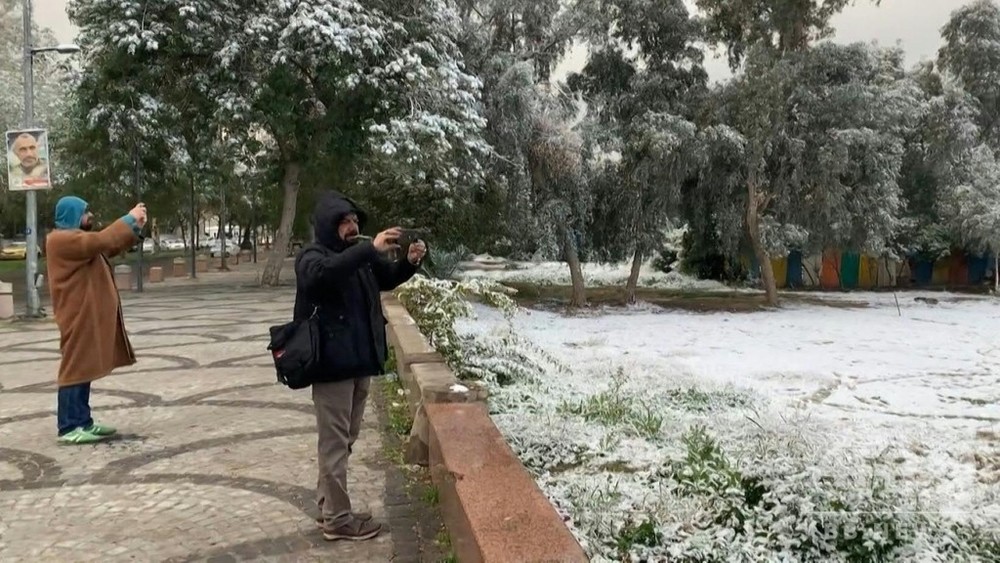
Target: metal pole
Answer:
pixel 222 230
pixel 255 227
pixel 194 230
pixel 31 197
pixel 138 198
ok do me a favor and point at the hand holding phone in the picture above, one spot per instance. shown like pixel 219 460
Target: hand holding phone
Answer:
pixel 387 240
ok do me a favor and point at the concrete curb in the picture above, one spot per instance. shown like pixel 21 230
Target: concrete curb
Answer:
pixel 491 505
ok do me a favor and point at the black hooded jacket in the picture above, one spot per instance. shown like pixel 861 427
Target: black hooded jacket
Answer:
pixel 342 282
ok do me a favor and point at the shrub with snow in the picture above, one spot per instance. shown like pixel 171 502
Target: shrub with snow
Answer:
pixel 497 359
pixel 717 481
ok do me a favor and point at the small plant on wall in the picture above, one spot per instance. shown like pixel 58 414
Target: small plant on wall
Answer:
pixel 437 305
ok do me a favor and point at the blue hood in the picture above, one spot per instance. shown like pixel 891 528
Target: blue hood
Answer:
pixel 69 212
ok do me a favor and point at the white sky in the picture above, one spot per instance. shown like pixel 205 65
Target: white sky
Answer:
pixel 915 24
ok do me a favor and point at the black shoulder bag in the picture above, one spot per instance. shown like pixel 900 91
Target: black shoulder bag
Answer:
pixel 297 351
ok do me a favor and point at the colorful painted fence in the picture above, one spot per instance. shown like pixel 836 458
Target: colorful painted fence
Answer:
pixel 847 270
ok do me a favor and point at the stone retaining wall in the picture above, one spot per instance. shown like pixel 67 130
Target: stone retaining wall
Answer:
pixel 492 507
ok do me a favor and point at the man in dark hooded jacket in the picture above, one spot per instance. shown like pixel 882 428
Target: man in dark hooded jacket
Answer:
pixel 339 277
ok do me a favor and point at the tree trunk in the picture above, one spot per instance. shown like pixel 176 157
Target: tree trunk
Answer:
pixel 277 254
pixel 579 295
pixel 633 278
pixel 795 37
pixel 996 271
pixel 245 237
pixel 753 229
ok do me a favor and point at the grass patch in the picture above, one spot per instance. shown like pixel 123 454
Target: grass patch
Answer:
pixel 431 495
pixel 617 467
pixel 698 400
pixel 10 266
pixel 632 534
pixel 616 407
pixel 396 407
pixel 424 496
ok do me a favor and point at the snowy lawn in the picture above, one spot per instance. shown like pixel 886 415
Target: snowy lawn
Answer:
pixel 807 433
pixel 594 274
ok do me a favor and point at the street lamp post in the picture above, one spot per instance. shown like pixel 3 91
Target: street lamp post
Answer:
pixel 239 170
pixel 194 234
pixel 223 219
pixel 31 197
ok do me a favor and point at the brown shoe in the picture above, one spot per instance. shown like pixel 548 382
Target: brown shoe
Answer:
pixel 362 516
pixel 355 530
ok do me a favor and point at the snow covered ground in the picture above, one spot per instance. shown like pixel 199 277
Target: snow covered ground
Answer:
pixel 832 388
pixel 595 275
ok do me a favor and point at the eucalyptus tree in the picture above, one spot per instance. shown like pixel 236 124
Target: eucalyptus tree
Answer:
pixel 781 26
pixel 971 57
pixel 807 152
pixel 543 144
pixel 646 78
pixel 970 61
pixel 972 203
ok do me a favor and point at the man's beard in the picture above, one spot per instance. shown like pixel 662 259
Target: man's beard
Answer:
pixel 88 226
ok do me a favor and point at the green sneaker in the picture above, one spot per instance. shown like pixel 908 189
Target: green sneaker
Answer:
pixel 101 430
pixel 80 436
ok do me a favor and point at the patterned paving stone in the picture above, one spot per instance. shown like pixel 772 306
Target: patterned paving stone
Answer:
pixel 9 471
pixel 45 401
pixel 215 462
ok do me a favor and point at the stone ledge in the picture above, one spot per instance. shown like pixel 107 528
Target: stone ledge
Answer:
pixel 492 507
pixel 425 376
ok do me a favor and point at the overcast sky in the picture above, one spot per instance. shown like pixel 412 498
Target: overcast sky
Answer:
pixel 915 24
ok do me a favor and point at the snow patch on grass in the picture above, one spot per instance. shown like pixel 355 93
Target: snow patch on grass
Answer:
pixel 804 434
pixel 595 275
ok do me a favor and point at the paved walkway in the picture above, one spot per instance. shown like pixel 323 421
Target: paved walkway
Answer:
pixel 216 461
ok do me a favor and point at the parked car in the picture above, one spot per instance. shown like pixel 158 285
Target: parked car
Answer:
pixel 216 248
pixel 15 250
pixel 172 243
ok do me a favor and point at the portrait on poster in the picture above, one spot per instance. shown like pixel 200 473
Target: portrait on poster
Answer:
pixel 28 160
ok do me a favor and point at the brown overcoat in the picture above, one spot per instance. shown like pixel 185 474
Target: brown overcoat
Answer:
pixel 85 301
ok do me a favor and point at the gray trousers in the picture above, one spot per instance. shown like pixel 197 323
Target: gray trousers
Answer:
pixel 339 409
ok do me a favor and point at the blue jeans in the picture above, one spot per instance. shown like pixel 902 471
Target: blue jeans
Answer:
pixel 74 408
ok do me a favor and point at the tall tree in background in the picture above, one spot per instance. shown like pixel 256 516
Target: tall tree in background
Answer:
pixel 766 32
pixel 342 81
pixel 971 55
pixel 322 85
pixel 972 203
pixel 815 168
pixel 542 142
pixel 783 26
pixel 142 112
pixel 646 99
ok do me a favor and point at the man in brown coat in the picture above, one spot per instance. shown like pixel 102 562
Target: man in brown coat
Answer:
pixel 87 310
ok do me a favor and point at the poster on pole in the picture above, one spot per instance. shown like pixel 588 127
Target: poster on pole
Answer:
pixel 28 160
